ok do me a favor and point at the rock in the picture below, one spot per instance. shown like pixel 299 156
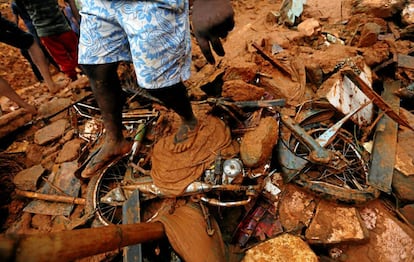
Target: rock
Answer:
pixel 407 14
pixel 389 239
pixel 376 54
pixel 70 151
pixel 309 27
pixel 369 34
pixel 27 179
pixel 378 8
pixel 334 223
pixel 296 208
pixel 283 248
pixel 245 72
pixel 54 106
pixel 238 90
pixel 408 213
pixel 257 145
pixel 51 132
pixel 42 222
pixel 403 186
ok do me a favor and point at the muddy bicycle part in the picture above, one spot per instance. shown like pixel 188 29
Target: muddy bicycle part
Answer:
pixel 318 153
pixel 343 179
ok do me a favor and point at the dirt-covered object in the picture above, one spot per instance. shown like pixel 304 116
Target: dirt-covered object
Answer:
pixel 257 145
pixel 172 172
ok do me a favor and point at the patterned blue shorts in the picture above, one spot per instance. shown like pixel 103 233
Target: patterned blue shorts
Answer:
pixel 154 35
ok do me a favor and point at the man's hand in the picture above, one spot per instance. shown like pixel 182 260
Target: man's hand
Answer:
pixel 212 20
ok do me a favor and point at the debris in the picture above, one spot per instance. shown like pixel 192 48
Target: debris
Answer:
pixel 64 180
pixel 376 99
pixel 12 121
pixel 369 34
pixel 407 14
pixel 51 132
pixel 283 248
pixel 27 179
pixel 335 224
pixel 385 143
pixel 290 10
pixel 309 27
pixel 257 145
pixel 405 61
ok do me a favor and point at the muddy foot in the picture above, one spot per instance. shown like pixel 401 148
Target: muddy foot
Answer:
pixel 184 138
pixel 103 157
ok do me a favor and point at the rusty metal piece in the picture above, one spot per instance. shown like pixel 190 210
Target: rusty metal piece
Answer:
pixel 385 144
pixel 206 215
pixel 318 153
pixel 376 99
pixel 272 61
pixel 216 202
pixel 327 136
pixel 131 214
pixel 339 194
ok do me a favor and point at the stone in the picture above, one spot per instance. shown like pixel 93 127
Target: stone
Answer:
pixel 408 212
pixel 369 34
pixel 283 248
pixel 296 209
pixel 27 179
pixel 378 8
pixel 70 151
pixel 389 238
pixel 334 223
pixel 238 90
pixel 51 132
pixel 54 106
pixel 257 145
pixel 309 27
pixel 403 186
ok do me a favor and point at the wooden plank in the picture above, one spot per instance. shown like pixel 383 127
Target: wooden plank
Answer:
pixel 131 215
pixel 385 143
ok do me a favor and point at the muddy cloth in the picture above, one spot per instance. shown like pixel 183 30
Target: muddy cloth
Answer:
pixel 186 227
pixel 172 172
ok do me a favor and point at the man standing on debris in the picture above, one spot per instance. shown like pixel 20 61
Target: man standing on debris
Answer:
pixel 155 35
pixel 12 35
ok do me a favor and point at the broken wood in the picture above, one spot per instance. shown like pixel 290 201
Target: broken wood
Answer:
pixel 385 144
pixel 53 198
pixel 75 244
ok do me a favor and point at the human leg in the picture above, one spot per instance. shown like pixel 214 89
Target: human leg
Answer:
pixel 176 98
pixel 36 71
pixel 107 91
pixel 42 64
pixel 8 91
pixel 56 45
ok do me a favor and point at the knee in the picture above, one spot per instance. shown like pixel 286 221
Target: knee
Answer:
pixel 101 72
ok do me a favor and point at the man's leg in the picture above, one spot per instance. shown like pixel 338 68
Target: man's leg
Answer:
pixel 108 94
pixel 176 98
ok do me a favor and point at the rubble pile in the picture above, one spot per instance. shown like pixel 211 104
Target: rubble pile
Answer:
pixel 317 96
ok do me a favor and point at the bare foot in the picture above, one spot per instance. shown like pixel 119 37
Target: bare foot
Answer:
pixel 185 137
pixel 104 156
pixel 57 86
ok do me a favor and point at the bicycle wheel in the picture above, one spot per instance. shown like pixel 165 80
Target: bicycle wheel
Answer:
pixel 100 185
pixel 345 178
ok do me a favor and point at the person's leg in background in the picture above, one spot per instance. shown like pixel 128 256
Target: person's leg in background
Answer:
pixel 8 91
